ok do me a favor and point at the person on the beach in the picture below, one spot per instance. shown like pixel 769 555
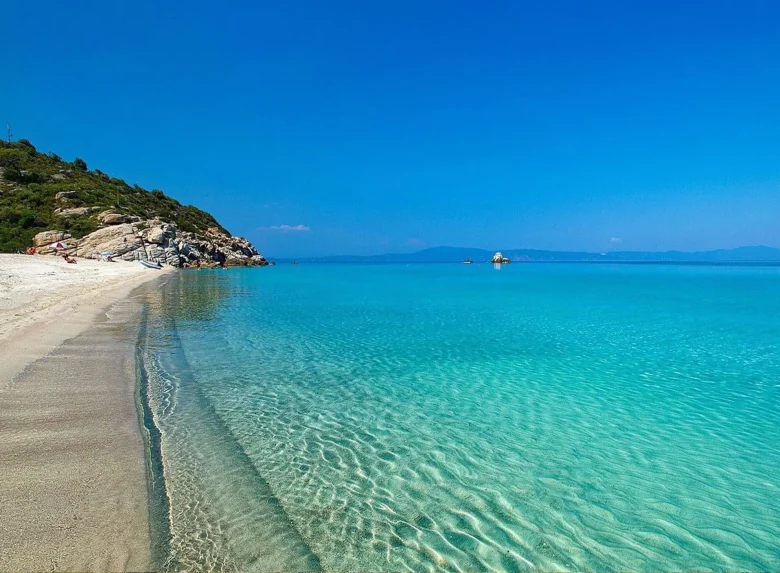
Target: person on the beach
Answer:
pixel 68 259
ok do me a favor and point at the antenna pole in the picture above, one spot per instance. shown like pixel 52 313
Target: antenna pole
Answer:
pixel 10 135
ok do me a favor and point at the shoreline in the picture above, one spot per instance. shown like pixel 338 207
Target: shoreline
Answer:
pixel 75 489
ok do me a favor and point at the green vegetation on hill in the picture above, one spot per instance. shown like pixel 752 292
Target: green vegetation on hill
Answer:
pixel 30 182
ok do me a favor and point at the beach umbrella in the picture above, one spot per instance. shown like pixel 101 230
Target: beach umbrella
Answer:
pixel 58 245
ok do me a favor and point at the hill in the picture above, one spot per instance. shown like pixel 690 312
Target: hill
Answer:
pixel 458 254
pixel 40 191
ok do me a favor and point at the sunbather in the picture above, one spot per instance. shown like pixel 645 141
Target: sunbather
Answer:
pixel 68 259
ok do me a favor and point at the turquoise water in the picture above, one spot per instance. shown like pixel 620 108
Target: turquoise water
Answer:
pixel 452 417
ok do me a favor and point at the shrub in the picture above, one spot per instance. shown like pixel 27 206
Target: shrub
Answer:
pixel 12 173
pixel 27 145
pixel 29 203
pixel 29 220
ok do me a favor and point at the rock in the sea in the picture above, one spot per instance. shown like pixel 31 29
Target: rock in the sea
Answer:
pixel 48 237
pixel 499 258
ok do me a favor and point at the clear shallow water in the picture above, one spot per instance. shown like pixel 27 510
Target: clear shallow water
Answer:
pixel 541 417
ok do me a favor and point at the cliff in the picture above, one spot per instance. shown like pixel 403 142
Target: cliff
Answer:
pixel 45 199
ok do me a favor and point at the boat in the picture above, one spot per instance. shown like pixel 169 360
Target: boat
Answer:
pixel 151 264
pixel 467 262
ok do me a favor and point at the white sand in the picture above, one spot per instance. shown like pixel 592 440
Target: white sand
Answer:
pixel 45 301
pixel 32 284
pixel 73 486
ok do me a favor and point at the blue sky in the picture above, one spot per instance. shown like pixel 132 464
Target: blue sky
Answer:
pixel 361 127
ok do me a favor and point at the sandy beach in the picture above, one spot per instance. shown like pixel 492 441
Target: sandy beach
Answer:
pixel 73 493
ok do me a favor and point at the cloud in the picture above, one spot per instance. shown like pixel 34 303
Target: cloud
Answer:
pixel 615 240
pixel 290 228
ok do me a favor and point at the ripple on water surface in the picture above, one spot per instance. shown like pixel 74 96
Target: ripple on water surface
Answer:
pixel 556 417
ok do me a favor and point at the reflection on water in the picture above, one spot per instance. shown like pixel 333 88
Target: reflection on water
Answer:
pixel 219 512
pixel 185 299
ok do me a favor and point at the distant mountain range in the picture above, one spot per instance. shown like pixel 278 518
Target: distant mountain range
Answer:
pixel 459 254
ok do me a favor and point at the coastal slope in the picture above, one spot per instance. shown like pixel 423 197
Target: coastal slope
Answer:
pixel 44 199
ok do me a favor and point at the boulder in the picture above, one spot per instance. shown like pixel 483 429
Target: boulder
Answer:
pixel 74 212
pixel 48 237
pixel 156 235
pixel 113 218
pixel 65 195
pixel 117 239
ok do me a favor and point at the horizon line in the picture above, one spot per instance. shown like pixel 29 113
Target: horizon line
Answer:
pixel 600 253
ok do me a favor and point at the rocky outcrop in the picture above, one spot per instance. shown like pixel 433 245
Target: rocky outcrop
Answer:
pixel 499 259
pixel 48 237
pixel 158 241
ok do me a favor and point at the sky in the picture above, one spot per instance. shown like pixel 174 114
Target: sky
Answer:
pixel 354 127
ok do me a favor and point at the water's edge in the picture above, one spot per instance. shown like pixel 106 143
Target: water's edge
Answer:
pixel 159 504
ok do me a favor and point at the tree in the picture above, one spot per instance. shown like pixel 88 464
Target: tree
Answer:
pixel 80 164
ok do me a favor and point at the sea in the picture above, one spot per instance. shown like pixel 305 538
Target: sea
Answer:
pixel 448 417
